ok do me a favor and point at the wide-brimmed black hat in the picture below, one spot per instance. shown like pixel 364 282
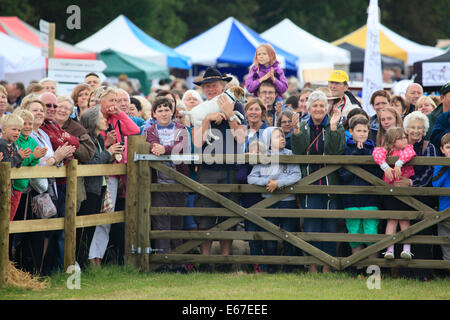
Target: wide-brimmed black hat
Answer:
pixel 211 75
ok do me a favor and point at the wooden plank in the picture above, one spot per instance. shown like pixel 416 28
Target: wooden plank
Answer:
pixel 5 214
pixel 38 172
pixel 36 225
pixel 144 201
pixel 307 236
pixel 227 224
pixel 70 234
pixel 412 202
pixel 102 170
pixel 100 219
pixel 310 189
pixel 400 263
pixel 60 172
pixel 239 259
pixel 395 238
pixel 58 223
pixel 295 213
pixel 131 207
pixel 248 214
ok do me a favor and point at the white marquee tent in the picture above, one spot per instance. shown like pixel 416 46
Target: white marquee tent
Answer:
pixel 20 61
pixel 312 51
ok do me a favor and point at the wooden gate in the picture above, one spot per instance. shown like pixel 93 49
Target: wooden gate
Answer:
pixel 257 213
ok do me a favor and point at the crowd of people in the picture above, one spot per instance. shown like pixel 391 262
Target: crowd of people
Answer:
pixel 40 127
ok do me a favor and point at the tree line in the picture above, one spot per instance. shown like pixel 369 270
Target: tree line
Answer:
pixel 173 21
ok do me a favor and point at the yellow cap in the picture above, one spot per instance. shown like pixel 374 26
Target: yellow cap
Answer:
pixel 338 76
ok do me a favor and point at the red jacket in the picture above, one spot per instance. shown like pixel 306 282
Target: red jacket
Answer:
pixel 124 127
pixel 58 136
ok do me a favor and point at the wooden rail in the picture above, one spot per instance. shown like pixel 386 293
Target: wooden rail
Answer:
pixel 69 223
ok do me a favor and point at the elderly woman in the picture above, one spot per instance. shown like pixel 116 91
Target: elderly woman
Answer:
pixel 416 125
pixel 285 123
pixel 191 98
pixel 425 105
pixel 319 135
pixel 94 123
pixel 54 157
pixel 121 126
pixel 86 150
pixel 80 98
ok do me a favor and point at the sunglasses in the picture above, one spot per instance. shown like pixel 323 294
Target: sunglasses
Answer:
pixel 51 105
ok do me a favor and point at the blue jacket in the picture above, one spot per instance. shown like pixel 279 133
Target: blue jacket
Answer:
pixel 442 182
pixel 348 178
pixel 440 128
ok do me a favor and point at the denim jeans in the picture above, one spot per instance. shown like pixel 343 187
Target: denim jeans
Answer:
pixel 319 201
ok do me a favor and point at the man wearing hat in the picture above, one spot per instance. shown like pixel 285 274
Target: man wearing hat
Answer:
pixel 338 85
pixel 442 108
pixel 232 135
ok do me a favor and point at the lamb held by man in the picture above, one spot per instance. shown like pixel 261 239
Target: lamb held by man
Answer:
pixel 201 111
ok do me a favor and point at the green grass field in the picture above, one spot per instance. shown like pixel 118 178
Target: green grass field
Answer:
pixel 117 283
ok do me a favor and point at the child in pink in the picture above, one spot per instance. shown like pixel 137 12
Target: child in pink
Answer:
pixel 396 145
pixel 266 67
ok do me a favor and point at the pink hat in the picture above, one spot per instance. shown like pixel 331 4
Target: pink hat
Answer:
pixel 48 98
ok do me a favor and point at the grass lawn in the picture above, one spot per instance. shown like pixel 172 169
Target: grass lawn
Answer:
pixel 117 283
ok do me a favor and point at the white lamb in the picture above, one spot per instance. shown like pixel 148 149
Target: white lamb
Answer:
pixel 199 112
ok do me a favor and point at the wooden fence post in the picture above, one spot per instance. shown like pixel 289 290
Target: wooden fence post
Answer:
pixel 144 201
pixel 131 208
pixel 70 230
pixel 5 212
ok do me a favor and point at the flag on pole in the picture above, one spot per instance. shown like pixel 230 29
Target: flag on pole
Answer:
pixel 372 58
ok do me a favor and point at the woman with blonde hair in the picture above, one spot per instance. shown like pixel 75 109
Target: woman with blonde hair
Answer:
pixel 425 105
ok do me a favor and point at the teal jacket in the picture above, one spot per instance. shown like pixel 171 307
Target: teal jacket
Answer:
pixel 23 143
pixel 334 144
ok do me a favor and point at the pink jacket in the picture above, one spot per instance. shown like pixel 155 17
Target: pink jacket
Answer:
pixel 127 127
pixel 379 156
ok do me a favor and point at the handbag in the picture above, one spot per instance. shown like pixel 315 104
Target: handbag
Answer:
pixel 40 185
pixel 42 206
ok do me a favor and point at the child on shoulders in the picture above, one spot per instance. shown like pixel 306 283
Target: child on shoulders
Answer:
pixel 266 66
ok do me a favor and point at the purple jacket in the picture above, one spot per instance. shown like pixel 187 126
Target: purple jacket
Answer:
pixel 252 82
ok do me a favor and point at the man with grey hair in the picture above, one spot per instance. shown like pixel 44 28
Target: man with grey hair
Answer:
pixel 412 94
pixel 123 100
pixel 232 135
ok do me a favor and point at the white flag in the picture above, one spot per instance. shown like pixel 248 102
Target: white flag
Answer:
pixel 372 58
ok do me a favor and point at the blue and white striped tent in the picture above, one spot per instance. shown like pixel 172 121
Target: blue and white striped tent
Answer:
pixel 230 43
pixel 124 36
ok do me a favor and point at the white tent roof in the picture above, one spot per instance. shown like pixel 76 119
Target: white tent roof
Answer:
pixel 20 61
pixel 117 35
pixel 231 42
pixel 309 48
pixel 416 52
